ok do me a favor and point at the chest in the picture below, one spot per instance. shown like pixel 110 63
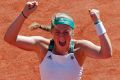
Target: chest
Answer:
pixel 60 68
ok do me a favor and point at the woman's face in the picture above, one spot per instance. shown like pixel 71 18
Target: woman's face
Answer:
pixel 62 36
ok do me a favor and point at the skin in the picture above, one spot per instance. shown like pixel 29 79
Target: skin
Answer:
pixel 60 33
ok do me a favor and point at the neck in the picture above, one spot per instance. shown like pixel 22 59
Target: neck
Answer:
pixel 59 52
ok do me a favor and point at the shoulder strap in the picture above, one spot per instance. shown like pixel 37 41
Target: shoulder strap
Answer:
pixel 51 45
pixel 71 49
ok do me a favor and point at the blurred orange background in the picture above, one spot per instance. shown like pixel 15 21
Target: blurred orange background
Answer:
pixel 17 64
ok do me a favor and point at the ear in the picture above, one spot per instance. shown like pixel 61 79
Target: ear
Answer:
pixel 72 34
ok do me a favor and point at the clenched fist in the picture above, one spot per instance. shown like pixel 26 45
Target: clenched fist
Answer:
pixel 30 7
pixel 95 15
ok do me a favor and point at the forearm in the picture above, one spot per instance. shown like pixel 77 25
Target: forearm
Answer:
pixel 14 29
pixel 106 48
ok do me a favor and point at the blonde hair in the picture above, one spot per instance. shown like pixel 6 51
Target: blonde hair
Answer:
pixel 57 15
pixel 36 25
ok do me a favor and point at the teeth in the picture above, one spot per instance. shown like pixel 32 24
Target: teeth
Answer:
pixel 62 43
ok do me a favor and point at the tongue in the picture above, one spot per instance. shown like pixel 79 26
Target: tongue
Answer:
pixel 62 43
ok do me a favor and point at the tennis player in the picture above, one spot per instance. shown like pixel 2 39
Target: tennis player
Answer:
pixel 62 57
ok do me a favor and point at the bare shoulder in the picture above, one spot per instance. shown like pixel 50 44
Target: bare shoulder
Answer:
pixel 79 51
pixel 42 42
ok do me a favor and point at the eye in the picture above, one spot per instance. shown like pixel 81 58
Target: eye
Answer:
pixel 57 33
pixel 66 33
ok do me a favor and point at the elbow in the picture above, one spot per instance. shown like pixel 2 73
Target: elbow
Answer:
pixel 108 54
pixel 8 39
pixel 110 51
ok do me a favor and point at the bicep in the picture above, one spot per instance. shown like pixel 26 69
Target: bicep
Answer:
pixel 32 43
pixel 90 49
pixel 26 43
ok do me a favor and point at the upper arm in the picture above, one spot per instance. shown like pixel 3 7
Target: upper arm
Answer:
pixel 90 49
pixel 33 43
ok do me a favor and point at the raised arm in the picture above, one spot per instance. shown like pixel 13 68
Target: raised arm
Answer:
pixel 27 43
pixel 105 48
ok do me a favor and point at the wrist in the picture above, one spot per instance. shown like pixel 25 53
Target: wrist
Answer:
pixel 97 21
pixel 100 29
pixel 25 16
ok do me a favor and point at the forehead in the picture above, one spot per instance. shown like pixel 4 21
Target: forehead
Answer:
pixel 62 27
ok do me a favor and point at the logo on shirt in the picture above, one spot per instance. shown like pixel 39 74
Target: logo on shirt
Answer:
pixel 49 57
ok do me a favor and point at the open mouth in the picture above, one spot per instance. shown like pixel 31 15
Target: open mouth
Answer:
pixel 62 43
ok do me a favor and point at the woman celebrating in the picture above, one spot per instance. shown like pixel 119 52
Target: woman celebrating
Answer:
pixel 62 57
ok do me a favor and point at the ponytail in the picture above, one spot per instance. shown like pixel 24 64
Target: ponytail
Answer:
pixel 36 25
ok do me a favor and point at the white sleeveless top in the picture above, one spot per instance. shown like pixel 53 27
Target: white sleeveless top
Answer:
pixel 59 67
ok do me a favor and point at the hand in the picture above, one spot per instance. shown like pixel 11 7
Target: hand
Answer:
pixel 30 7
pixel 95 15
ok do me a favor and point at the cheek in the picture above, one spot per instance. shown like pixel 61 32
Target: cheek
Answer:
pixel 68 40
pixel 56 39
pixel 68 37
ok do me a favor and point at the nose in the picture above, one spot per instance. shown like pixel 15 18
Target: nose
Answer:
pixel 61 38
